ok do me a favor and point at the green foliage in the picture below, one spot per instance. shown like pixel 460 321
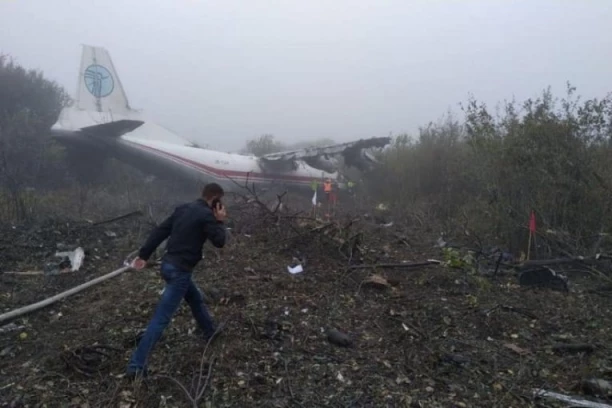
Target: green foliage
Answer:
pixel 469 265
pixel 486 173
pixel 27 94
pixel 453 259
pixel 29 105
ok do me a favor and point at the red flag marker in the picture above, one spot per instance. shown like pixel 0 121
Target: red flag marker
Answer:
pixel 532 222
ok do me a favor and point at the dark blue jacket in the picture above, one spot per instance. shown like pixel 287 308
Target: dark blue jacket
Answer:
pixel 188 228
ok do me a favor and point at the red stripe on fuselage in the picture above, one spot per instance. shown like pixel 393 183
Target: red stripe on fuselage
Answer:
pixel 216 172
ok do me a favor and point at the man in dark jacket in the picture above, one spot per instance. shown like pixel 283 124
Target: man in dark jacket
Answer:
pixel 187 229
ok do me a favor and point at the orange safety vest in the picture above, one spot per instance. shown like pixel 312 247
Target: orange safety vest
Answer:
pixel 327 187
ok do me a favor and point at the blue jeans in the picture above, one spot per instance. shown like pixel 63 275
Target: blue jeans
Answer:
pixel 179 285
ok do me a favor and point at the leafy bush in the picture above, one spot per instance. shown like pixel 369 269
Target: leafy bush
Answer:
pixel 487 173
pixel 29 105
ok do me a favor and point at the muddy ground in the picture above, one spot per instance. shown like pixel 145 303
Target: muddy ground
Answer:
pixel 430 336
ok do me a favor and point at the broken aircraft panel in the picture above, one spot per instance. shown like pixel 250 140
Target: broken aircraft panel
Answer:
pixel 324 158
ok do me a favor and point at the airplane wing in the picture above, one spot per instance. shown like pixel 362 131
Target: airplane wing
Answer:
pixel 353 153
pixel 112 129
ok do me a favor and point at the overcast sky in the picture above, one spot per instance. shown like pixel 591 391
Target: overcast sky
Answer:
pixel 222 72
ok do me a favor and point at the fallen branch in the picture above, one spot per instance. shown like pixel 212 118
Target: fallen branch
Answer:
pixel 505 308
pixel 396 265
pixel 560 261
pixel 121 217
pixel 4 387
pixel 44 303
pixel 251 191
pixel 573 348
pixel 24 273
pixel 200 388
pixel 288 382
pixel 573 401
pixel 599 274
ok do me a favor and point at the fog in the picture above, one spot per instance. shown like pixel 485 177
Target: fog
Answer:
pixel 223 72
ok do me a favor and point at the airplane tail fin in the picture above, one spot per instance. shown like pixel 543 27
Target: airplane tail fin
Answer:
pixel 99 88
pixel 101 106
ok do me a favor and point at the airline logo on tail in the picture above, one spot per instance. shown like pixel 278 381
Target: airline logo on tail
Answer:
pixel 99 89
pixel 99 81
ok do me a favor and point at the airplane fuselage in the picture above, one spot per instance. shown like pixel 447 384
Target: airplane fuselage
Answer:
pixel 147 149
pixel 102 124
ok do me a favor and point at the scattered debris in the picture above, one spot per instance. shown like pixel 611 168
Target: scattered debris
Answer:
pixel 10 327
pixel 75 259
pixel 295 269
pixel 71 262
pixel 376 281
pixel 440 243
pixel 518 350
pixel 543 277
pixel 338 338
pixel 297 264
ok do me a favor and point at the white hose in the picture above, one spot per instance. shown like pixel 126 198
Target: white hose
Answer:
pixel 46 302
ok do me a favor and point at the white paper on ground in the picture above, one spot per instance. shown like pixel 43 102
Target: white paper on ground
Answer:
pixel 295 269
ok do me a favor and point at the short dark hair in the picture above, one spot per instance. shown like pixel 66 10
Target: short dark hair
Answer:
pixel 212 190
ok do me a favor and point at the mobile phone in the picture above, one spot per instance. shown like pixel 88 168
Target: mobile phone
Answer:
pixel 215 203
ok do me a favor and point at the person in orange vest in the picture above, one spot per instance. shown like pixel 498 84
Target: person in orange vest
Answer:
pixel 327 189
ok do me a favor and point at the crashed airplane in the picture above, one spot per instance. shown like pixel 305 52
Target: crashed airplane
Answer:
pixel 101 124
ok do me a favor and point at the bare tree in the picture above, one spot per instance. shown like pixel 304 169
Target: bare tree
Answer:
pixel 264 144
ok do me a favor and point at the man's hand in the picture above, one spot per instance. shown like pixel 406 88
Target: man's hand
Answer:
pixel 220 213
pixel 139 263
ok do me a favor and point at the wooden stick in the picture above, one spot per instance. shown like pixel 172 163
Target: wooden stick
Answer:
pixel 529 245
pixel 46 302
pixel 121 217
pixel 396 265
pixel 24 273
